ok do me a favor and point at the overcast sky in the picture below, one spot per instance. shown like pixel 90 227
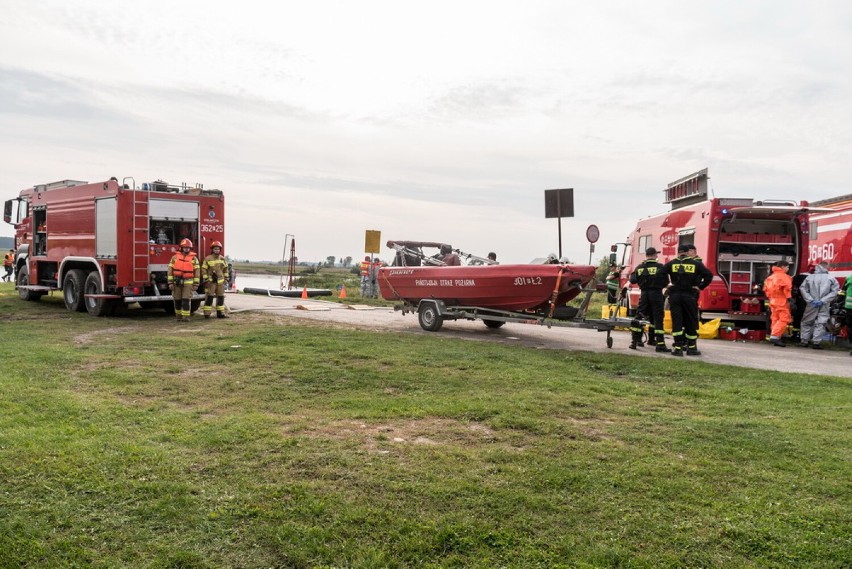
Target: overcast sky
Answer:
pixel 440 120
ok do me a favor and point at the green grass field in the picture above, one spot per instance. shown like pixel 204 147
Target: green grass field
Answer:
pixel 262 441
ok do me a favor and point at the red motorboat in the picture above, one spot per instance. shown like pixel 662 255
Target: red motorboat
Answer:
pixel 536 288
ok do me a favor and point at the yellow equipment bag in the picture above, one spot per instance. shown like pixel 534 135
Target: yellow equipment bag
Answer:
pixel 709 330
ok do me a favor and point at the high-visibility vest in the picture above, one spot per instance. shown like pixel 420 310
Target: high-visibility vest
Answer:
pixel 183 267
pixel 365 268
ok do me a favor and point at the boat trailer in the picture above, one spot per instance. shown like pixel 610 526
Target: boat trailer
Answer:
pixel 431 314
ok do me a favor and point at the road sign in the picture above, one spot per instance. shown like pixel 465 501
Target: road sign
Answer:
pixel 593 234
pixel 372 241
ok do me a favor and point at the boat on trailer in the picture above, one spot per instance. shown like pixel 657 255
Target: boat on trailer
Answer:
pixel 487 291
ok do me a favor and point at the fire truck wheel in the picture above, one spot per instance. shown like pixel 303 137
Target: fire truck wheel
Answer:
pixel 194 305
pixel 23 280
pixel 96 306
pixel 168 306
pixel 72 290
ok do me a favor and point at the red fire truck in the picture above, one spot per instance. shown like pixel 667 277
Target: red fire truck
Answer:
pixel 831 236
pixel 738 239
pixel 108 244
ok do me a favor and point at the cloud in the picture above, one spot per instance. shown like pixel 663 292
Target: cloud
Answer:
pixel 442 122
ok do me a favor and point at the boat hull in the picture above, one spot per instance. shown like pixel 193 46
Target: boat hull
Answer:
pixel 502 287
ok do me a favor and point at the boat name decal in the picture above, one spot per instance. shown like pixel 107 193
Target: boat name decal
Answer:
pixel 445 282
pixel 402 271
pixel 522 281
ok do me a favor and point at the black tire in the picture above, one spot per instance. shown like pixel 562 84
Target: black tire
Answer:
pixel 493 323
pixel 609 342
pixel 96 306
pixel 429 318
pixel 72 290
pixel 168 306
pixel 23 279
pixel 194 305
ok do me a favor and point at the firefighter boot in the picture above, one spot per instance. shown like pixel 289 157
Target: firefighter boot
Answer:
pixel 660 341
pixel 635 335
pixel 692 347
pixel 221 314
pixel 677 349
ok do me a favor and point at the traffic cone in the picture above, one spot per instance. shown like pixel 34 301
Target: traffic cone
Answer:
pixel 342 292
pixel 304 292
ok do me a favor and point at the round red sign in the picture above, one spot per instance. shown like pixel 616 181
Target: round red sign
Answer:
pixel 592 233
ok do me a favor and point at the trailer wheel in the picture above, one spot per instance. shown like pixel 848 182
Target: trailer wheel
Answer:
pixel 96 306
pixel 493 323
pixel 72 290
pixel 429 318
pixel 22 280
pixel 609 342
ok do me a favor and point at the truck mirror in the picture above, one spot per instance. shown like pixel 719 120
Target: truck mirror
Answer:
pixel 613 258
pixel 7 211
pixel 613 248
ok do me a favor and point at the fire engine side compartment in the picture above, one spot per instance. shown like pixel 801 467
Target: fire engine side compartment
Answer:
pixel 738 243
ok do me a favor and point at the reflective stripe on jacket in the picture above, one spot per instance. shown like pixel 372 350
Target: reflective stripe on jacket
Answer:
pixel 215 268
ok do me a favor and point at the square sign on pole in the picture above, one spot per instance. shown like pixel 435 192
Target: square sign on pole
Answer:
pixel 559 204
pixel 373 241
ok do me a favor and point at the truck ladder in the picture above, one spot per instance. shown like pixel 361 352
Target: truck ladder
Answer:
pixel 141 227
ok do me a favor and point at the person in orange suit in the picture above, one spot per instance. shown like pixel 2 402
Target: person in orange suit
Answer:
pixel 778 288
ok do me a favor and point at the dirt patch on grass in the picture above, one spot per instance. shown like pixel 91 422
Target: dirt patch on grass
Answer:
pixel 90 337
pixel 378 437
pixel 593 429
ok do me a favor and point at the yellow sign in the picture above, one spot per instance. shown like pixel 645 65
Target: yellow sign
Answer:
pixel 373 241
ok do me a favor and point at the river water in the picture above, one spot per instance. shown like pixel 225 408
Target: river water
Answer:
pixel 274 282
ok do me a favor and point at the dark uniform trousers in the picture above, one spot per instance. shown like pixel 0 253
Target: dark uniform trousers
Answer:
pixel 651 306
pixel 684 308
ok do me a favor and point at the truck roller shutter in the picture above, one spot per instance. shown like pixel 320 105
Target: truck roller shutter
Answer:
pixel 173 210
pixel 106 223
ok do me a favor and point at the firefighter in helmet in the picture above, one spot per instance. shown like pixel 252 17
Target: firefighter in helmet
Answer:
pixel 184 275
pixel 652 280
pixel 214 271
pixel 687 277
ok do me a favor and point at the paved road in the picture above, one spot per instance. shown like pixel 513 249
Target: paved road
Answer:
pixel 834 362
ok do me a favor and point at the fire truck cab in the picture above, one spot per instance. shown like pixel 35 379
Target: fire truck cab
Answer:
pixel 108 244
pixel 738 239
